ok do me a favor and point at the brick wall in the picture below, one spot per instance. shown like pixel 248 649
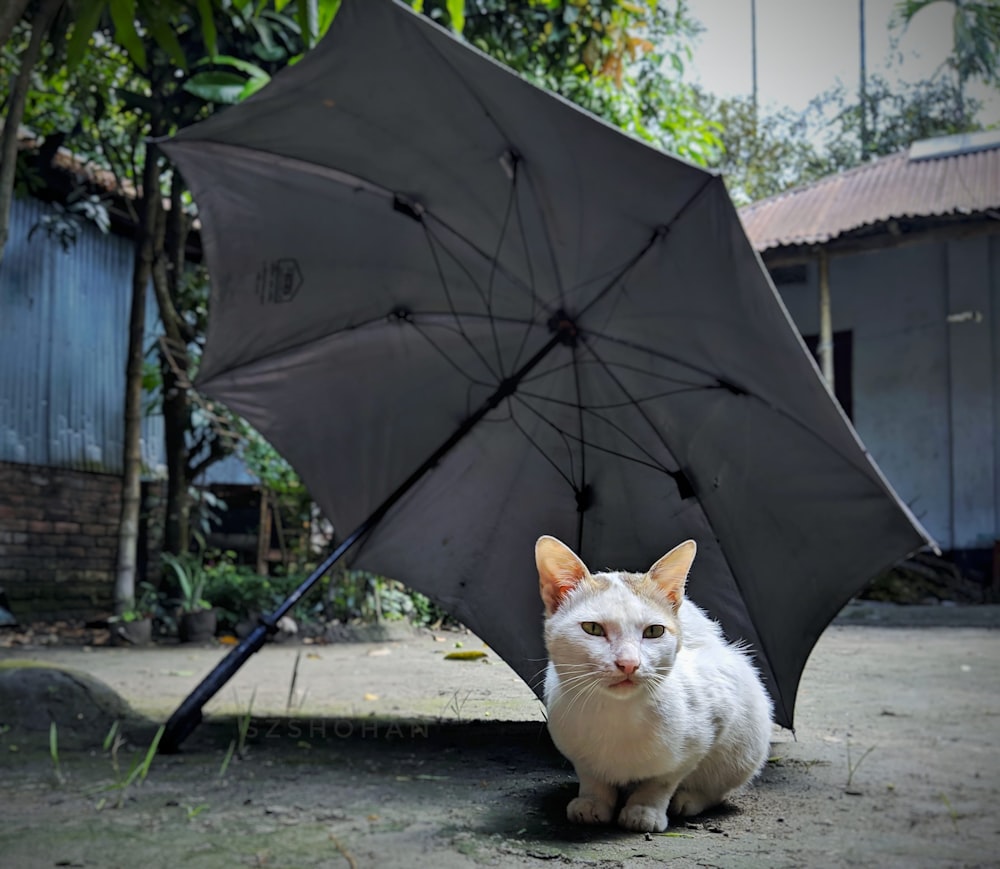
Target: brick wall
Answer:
pixel 58 541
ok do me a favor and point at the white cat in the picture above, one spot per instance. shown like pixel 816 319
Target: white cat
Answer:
pixel 643 691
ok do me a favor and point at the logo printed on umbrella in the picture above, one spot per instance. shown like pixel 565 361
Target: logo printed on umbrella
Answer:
pixel 278 281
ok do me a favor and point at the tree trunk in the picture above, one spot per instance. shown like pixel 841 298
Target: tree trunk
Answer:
pixel 10 13
pixel 128 530
pixel 176 423
pixel 174 364
pixel 40 24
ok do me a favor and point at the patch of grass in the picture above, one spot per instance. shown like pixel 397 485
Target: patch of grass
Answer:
pixel 54 752
pixel 951 810
pixel 194 811
pixel 137 772
pixel 853 767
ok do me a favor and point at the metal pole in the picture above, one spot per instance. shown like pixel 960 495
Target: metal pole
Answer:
pixel 825 345
pixel 188 715
pixel 863 85
pixel 753 51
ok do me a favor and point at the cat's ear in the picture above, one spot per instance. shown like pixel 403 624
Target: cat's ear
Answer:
pixel 559 570
pixel 670 572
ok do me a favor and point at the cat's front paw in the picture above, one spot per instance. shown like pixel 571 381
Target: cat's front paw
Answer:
pixel 588 810
pixel 643 819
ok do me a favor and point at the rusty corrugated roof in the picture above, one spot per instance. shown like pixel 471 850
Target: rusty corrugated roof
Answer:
pixel 950 176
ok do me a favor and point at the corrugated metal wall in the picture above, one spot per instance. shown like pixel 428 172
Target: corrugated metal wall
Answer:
pixel 63 340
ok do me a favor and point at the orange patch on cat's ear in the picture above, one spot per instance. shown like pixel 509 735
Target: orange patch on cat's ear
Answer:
pixel 670 572
pixel 559 571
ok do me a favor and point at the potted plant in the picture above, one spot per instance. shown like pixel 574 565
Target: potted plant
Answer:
pixel 197 620
pixel 134 626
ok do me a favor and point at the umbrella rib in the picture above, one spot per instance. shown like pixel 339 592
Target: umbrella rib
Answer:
pixel 618 405
pixel 678 475
pixel 659 354
pixel 451 305
pixel 630 264
pixel 567 477
pixel 659 233
pixel 560 289
pixel 634 368
pixel 651 463
pixel 722 383
pixel 531 278
pixel 496 257
pixel 515 281
pixel 472 380
pixel 583 449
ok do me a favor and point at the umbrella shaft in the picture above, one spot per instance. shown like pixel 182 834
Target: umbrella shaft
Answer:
pixel 188 715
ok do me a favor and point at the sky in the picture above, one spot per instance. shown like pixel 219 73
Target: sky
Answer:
pixel 805 47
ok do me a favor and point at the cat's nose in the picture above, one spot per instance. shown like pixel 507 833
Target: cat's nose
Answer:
pixel 627 665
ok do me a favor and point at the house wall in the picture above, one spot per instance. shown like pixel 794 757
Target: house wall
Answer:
pixel 58 540
pixel 925 390
pixel 63 340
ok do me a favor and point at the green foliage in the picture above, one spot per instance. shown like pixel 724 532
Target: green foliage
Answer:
pixel 189 571
pixel 359 595
pixel 896 115
pixel 762 153
pixel 64 222
pixel 975 36
pixel 618 59
pixel 765 153
pixel 239 592
pixel 145 605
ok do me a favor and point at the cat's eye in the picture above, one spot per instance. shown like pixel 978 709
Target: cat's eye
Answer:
pixel 652 632
pixel 592 628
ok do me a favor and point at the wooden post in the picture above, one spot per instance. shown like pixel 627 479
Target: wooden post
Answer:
pixel 264 532
pixel 825 345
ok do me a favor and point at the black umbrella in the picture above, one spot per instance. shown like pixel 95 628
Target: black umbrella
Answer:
pixel 469 314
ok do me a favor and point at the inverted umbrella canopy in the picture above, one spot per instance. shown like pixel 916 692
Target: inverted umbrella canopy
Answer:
pixel 462 305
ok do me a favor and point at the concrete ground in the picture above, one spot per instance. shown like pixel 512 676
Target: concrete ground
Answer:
pixel 387 754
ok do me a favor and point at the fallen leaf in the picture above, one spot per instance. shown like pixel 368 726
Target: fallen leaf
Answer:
pixel 379 653
pixel 314 656
pixel 228 640
pixel 471 655
pixel 371 696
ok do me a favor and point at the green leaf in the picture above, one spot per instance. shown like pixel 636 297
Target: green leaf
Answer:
pixel 279 5
pixel 308 17
pixel 208 30
pixel 251 69
pixel 87 18
pixel 456 11
pixel 216 86
pixel 327 11
pixel 162 31
pixel 252 86
pixel 123 18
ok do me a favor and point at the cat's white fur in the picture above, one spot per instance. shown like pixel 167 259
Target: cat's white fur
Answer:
pixel 677 721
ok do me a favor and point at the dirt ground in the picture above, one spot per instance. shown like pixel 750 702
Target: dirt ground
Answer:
pixel 387 755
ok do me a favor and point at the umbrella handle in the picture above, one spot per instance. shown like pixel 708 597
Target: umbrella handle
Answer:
pixel 188 715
